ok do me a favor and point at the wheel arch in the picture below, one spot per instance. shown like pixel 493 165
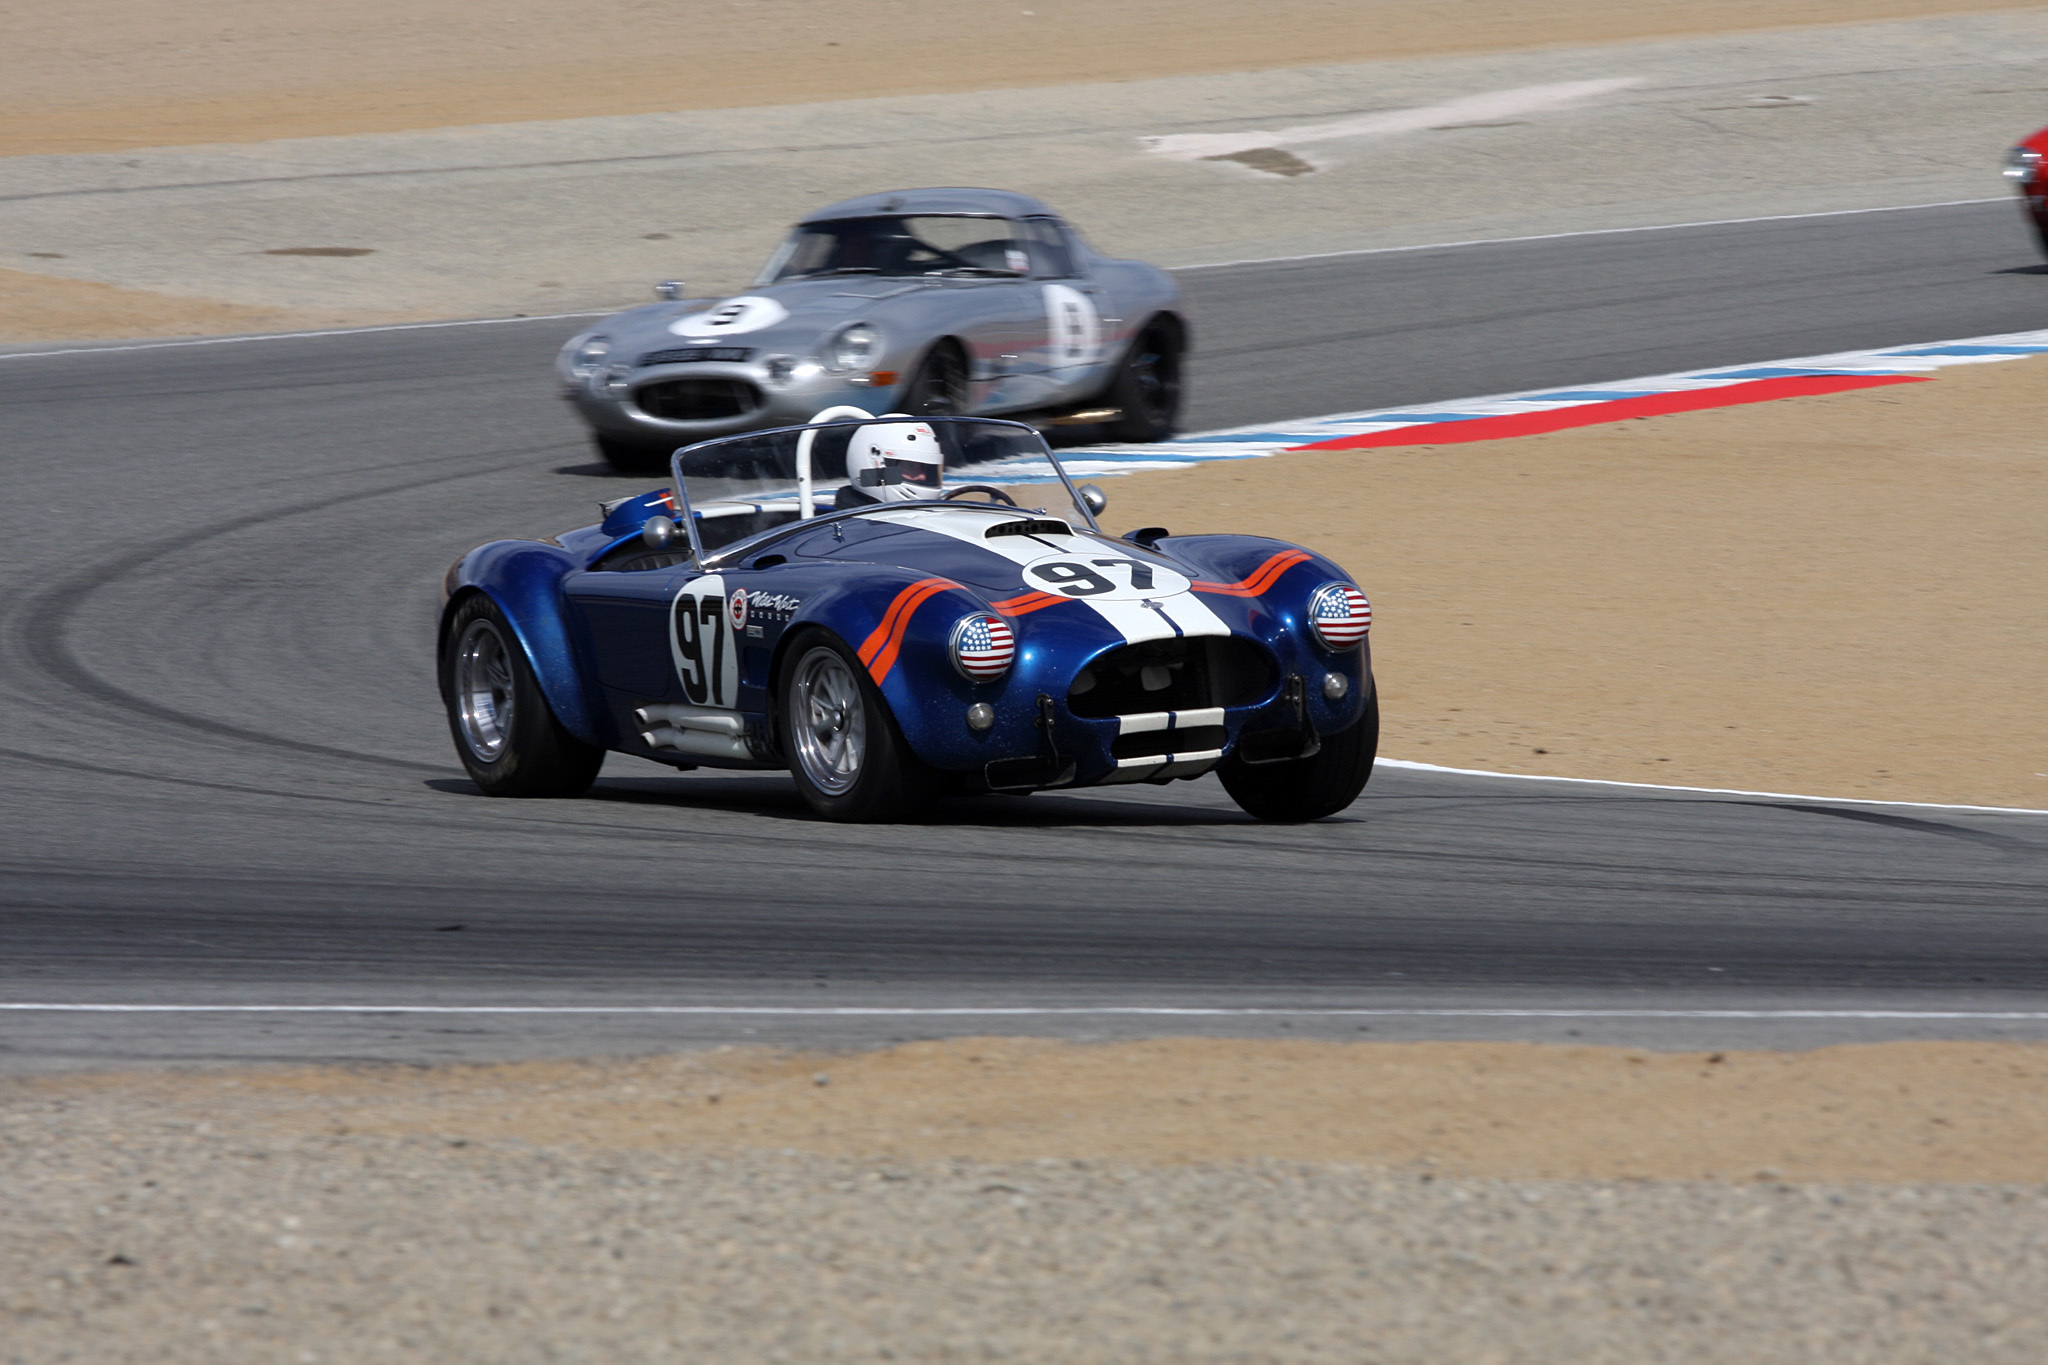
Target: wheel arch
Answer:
pixel 524 580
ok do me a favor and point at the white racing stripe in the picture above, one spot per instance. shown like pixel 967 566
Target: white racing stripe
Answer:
pixel 1052 1011
pixel 97 349
pixel 1162 618
pixel 1592 232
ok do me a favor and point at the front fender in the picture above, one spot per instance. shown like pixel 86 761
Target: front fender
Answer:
pixel 524 578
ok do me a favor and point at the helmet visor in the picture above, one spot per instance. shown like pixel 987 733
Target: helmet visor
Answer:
pixel 894 472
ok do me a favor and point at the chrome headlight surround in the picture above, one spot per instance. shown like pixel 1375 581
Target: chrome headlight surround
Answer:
pixel 1339 616
pixel 854 349
pixel 586 357
pixel 2022 164
pixel 982 646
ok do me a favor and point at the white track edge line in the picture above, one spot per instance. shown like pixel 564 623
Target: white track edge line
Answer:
pixel 1587 232
pixel 94 349
pixel 1206 265
pixel 1414 766
pixel 1171 1011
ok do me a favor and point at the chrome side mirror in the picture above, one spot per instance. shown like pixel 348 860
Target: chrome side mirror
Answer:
pixel 1093 498
pixel 659 533
pixel 669 289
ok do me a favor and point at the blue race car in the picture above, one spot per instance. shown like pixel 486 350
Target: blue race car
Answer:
pixel 876 606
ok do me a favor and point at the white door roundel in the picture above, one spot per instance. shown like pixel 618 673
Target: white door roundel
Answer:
pixel 1104 578
pixel 748 313
pixel 1074 325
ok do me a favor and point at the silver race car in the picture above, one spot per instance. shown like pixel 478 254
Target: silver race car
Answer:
pixel 930 302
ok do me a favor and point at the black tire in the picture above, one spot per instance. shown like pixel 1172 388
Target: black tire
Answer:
pixel 823 697
pixel 2037 217
pixel 1147 388
pixel 505 732
pixel 1309 788
pixel 629 456
pixel 939 388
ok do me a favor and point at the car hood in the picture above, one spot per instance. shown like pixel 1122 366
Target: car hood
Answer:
pixel 779 317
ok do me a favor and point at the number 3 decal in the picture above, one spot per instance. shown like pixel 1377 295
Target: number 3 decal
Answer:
pixel 707 663
pixel 1110 579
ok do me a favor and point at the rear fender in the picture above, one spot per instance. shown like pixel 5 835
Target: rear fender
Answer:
pixel 524 578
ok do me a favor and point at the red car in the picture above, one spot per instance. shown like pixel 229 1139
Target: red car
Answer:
pixel 2024 167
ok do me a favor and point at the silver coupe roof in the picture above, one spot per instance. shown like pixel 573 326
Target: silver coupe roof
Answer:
pixel 1002 203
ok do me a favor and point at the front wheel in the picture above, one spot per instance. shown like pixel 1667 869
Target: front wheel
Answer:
pixel 505 732
pixel 939 388
pixel 1309 788
pixel 1147 387
pixel 845 752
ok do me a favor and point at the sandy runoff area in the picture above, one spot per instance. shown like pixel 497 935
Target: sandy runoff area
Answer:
pixel 101 75
pixel 1842 596
pixel 998 1199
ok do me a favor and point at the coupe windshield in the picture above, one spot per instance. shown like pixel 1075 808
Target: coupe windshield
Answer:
pixel 739 487
pixel 922 244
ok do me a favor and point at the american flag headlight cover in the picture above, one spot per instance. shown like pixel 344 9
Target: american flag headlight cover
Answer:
pixel 1339 615
pixel 983 647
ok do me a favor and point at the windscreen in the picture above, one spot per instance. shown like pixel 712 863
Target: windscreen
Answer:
pixel 914 244
pixel 741 486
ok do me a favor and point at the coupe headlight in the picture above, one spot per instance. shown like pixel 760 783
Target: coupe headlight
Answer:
pixel 1339 615
pixel 856 348
pixel 2022 164
pixel 589 356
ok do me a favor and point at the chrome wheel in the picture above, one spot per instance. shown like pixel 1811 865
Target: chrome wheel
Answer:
pixel 827 721
pixel 483 689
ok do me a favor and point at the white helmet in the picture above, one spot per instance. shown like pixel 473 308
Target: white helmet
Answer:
pixel 896 461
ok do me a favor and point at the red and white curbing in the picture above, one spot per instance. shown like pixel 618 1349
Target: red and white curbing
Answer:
pixel 1540 410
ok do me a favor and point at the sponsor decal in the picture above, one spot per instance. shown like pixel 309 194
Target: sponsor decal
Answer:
pixel 773 607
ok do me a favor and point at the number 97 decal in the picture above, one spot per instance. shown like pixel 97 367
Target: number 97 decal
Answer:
pixel 1105 578
pixel 700 638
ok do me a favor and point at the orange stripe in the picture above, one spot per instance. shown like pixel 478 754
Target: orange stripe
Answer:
pixel 1260 579
pixel 886 660
pixel 873 645
pixel 1028 602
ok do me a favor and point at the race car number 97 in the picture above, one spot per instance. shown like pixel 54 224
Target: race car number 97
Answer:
pixel 707 662
pixel 1109 578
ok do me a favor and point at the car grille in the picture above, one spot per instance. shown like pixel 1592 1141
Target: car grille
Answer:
pixel 1160 743
pixel 1173 675
pixel 684 355
pixel 697 400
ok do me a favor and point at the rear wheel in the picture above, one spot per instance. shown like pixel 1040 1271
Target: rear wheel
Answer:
pixel 1147 386
pixel 505 733
pixel 845 752
pixel 939 388
pixel 630 456
pixel 1309 788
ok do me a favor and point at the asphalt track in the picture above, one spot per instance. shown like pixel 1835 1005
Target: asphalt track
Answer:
pixel 228 782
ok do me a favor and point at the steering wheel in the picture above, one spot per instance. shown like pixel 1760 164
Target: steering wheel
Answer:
pixel 985 489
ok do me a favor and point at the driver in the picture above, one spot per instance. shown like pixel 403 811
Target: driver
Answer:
pixel 892 462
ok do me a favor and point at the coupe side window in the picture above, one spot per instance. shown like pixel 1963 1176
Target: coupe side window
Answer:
pixel 1048 247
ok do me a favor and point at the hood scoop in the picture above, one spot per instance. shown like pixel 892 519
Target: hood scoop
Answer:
pixel 1037 526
